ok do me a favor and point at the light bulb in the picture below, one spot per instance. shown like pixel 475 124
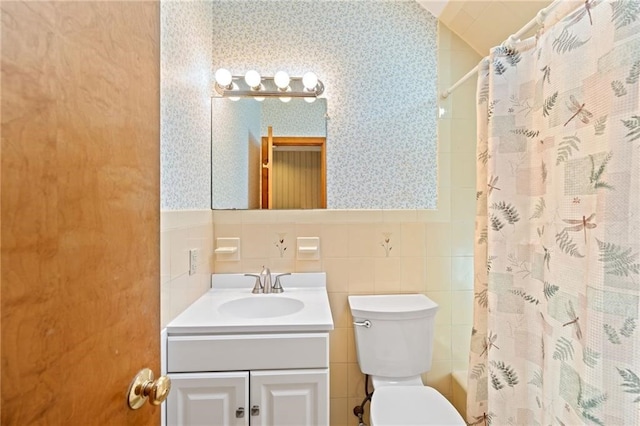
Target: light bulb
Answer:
pixel 281 79
pixel 223 77
pixel 285 99
pixel 310 81
pixel 252 78
pixel 310 100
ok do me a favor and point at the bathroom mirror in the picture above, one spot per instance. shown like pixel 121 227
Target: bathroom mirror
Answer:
pixel 250 170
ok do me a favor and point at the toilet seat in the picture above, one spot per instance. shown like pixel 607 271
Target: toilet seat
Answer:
pixel 412 406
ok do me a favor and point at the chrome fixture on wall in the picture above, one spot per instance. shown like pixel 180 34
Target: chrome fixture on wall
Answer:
pixel 280 85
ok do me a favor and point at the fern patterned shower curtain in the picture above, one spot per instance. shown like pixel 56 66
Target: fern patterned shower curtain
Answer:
pixel 557 260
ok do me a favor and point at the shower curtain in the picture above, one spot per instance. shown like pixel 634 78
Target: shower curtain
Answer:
pixel 557 260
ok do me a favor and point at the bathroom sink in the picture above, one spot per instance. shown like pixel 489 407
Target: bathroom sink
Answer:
pixel 261 306
pixel 230 307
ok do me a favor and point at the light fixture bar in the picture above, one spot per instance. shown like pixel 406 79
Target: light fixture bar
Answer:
pixel 296 89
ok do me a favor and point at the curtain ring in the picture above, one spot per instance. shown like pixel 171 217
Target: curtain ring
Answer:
pixel 511 41
pixel 540 17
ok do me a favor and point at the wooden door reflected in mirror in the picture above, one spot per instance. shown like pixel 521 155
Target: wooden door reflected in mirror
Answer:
pixel 293 172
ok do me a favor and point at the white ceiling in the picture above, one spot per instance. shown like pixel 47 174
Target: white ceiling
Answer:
pixel 484 23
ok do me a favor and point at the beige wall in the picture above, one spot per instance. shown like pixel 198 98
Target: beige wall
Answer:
pixel 431 250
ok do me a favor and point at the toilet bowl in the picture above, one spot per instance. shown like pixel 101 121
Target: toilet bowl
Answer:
pixel 412 406
pixel 394 345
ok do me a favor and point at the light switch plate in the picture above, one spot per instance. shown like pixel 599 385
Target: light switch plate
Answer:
pixel 193 261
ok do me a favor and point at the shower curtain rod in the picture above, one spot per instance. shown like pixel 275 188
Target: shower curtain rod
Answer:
pixel 536 21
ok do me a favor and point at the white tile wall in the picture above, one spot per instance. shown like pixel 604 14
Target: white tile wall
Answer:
pixel 181 231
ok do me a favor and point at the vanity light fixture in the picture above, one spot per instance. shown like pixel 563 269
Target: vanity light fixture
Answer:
pixel 253 85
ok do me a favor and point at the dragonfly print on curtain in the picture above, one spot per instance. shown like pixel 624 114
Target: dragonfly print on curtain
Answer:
pixel 557 258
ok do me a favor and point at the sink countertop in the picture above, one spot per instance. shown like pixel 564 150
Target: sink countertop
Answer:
pixel 204 316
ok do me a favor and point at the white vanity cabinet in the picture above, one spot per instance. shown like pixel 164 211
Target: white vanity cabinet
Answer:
pixel 241 359
pixel 248 380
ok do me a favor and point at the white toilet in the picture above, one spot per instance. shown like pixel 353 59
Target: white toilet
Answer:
pixel 394 343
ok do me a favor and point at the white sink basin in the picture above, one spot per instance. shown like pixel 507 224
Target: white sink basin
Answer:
pixel 230 307
pixel 261 306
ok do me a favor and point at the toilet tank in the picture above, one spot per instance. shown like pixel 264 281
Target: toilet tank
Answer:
pixel 399 339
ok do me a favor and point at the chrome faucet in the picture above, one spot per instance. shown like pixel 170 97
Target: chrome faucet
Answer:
pixel 265 278
pixel 263 282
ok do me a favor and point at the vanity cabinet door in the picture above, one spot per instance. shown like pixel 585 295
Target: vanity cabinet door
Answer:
pixel 216 399
pixel 290 398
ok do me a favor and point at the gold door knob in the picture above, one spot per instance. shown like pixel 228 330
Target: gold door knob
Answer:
pixel 143 387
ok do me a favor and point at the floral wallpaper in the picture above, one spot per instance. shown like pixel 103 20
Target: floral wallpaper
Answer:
pixel 185 104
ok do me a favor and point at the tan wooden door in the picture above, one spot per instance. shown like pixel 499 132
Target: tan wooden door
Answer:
pixel 80 210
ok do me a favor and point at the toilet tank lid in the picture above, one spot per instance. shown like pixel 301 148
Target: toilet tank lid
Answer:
pixel 392 306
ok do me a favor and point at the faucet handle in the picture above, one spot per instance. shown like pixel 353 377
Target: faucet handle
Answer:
pixel 277 287
pixel 257 287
